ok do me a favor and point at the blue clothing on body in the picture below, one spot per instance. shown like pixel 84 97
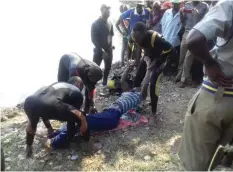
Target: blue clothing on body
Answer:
pixel 106 120
pixel 135 17
pixel 171 25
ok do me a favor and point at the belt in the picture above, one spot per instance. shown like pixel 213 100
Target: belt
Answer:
pixel 228 92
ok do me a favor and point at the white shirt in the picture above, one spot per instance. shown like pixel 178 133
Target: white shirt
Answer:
pixel 171 25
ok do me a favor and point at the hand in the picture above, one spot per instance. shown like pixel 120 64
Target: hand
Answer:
pixel 182 9
pixel 83 127
pixel 216 75
pixel 113 47
pixel 93 110
pixel 28 151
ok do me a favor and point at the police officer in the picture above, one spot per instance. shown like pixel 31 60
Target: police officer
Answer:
pixel 59 101
pixel 209 118
pixel 156 52
pixel 73 65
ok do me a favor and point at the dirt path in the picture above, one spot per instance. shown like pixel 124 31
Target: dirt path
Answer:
pixel 141 148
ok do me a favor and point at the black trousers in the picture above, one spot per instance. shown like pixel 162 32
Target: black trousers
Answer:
pixel 99 56
pixel 154 81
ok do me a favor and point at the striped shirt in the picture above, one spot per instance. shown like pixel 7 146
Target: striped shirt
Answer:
pixel 127 101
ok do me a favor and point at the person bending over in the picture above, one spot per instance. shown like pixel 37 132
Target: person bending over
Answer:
pixel 157 54
pixel 73 65
pixel 59 101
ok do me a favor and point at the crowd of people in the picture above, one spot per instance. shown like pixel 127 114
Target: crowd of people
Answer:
pixel 170 38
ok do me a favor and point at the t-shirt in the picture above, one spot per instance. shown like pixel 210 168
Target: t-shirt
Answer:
pixel 154 47
pixel 135 17
pixel 102 33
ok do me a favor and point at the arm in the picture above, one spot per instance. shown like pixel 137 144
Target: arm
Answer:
pixel 95 36
pixel 118 23
pixel 124 16
pixel 130 48
pixel 48 126
pixel 217 23
pixel 146 80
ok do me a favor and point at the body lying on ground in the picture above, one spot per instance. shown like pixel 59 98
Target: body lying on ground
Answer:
pixel 102 121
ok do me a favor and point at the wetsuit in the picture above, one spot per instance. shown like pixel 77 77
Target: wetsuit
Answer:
pixel 73 65
pixel 101 36
pixel 157 53
pixel 55 102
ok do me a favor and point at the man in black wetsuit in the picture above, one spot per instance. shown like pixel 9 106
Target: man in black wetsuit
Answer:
pixel 101 36
pixel 73 65
pixel 59 101
pixel 157 53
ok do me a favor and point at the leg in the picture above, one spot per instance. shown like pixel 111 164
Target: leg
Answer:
pixel 107 64
pixel 187 67
pixel 141 72
pixel 106 120
pixel 63 72
pixel 98 56
pixel 183 51
pixel 33 119
pixel 208 123
pixel 154 89
pixel 123 50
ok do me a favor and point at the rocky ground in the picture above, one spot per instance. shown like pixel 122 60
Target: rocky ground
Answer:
pixel 149 147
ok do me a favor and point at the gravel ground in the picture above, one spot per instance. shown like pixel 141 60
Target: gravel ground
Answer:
pixel 147 147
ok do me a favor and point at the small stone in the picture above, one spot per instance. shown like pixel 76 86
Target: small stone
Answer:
pixel 97 146
pixel 7 140
pixel 8 168
pixel 4 118
pixel 8 159
pixel 147 158
pixel 51 163
pixel 99 152
pixel 74 157
pixel 58 167
pixel 21 157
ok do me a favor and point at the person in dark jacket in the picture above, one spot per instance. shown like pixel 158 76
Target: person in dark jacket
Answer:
pixel 157 54
pixel 59 101
pixel 73 65
pixel 101 36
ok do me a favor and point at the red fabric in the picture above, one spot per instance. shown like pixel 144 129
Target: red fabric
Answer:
pixel 167 5
pixel 92 94
pixel 77 72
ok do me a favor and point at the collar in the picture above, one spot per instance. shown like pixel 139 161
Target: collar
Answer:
pixel 171 13
pixel 136 13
